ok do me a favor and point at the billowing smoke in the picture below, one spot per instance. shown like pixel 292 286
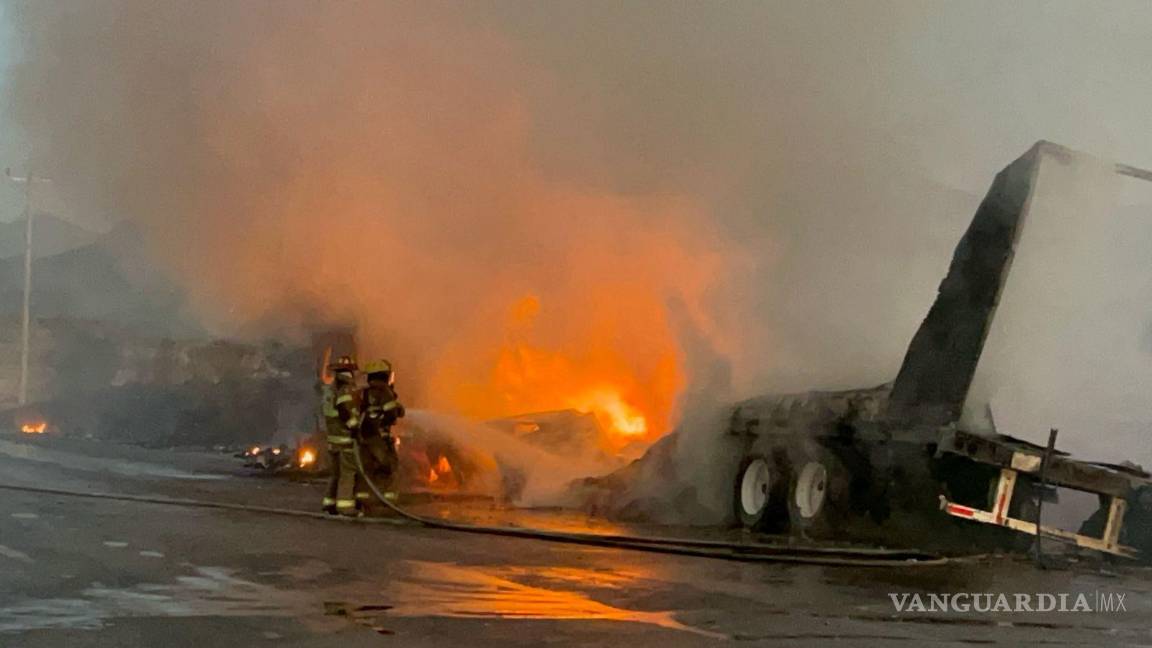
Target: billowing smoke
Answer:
pixel 370 164
pixel 423 170
pixel 504 197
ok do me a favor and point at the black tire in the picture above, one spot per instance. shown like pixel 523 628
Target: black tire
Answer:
pixel 757 494
pixel 819 494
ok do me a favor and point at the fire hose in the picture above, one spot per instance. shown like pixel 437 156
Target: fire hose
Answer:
pixel 762 553
pixel 832 556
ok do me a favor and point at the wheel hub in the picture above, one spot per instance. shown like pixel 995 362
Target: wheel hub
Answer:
pixel 754 487
pixel 811 488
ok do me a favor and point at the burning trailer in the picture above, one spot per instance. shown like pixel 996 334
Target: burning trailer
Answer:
pixel 901 462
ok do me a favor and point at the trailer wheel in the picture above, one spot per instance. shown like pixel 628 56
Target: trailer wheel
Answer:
pixel 757 499
pixel 819 497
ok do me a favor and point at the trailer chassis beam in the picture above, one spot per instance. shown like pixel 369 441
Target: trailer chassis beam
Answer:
pixel 998 516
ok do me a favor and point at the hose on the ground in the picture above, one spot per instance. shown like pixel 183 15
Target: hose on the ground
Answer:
pixel 176 501
pixel 830 556
pixel 833 556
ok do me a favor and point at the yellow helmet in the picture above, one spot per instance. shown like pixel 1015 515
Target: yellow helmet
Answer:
pixel 378 366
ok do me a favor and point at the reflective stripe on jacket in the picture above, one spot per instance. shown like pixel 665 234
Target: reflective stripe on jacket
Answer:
pixel 328 402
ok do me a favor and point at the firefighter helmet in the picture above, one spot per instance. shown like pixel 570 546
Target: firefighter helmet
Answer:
pixel 378 366
pixel 343 363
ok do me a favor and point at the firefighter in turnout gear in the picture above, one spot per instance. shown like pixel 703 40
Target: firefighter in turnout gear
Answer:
pixel 332 428
pixel 342 417
pixel 382 408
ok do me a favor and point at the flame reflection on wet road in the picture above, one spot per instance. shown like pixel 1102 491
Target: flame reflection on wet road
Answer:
pixel 450 590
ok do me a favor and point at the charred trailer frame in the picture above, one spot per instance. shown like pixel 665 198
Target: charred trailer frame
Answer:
pixel 1121 526
pixel 813 462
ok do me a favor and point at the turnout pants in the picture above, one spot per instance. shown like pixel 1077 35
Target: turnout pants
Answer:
pixel 348 483
pixel 333 477
pixel 342 485
pixel 379 456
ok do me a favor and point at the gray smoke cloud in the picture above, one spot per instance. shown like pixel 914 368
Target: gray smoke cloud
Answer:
pixel 814 162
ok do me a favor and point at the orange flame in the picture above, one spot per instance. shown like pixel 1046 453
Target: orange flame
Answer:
pixel 307 458
pixel 442 466
pixel 440 474
pixel 34 428
pixel 616 414
pixel 627 378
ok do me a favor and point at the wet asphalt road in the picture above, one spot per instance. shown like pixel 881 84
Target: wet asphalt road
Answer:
pixel 84 572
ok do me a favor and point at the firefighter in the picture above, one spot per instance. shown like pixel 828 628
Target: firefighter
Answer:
pixel 332 428
pixel 342 418
pixel 382 408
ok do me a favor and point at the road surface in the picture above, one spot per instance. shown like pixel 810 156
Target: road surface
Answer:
pixel 89 572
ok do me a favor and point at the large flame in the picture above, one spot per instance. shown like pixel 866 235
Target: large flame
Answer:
pixel 623 370
pixel 38 427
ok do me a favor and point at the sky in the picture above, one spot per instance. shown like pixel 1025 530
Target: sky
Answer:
pixel 15 151
pixel 10 147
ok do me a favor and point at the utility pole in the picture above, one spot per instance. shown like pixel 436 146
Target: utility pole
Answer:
pixel 29 212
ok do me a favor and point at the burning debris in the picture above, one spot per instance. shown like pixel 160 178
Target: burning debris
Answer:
pixel 628 402
pixel 570 432
pixel 280 459
pixel 441 475
pixel 39 427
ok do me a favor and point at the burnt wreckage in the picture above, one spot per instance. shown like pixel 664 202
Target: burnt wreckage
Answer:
pixel 821 463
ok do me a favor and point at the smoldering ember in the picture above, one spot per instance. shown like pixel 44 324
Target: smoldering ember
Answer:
pixel 581 323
